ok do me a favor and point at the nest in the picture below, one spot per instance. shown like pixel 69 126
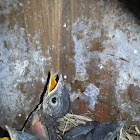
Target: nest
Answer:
pixel 70 120
pixel 131 133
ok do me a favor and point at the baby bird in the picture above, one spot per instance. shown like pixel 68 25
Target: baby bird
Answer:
pixel 56 104
pixel 95 131
pixel 42 124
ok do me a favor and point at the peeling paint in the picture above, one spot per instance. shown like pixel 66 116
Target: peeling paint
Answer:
pixel 123 44
pixel 121 47
pixel 75 95
pixel 83 28
pixel 26 63
pixel 21 64
pixel 7 6
pixel 92 92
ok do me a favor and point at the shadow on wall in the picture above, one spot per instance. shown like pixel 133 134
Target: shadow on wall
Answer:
pixel 133 6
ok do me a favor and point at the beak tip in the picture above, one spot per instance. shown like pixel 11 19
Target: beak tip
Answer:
pixel 52 83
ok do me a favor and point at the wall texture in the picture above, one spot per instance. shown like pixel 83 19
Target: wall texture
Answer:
pixel 95 44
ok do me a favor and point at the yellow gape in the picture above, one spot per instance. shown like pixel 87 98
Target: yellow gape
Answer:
pixel 5 138
pixel 52 84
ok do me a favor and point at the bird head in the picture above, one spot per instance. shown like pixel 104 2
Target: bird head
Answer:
pixel 57 102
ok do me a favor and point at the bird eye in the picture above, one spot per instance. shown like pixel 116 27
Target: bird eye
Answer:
pixel 54 100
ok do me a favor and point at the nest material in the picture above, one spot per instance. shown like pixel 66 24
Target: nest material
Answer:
pixel 131 133
pixel 70 120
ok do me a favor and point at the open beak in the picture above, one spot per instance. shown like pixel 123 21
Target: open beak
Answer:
pixel 52 83
pixel 37 126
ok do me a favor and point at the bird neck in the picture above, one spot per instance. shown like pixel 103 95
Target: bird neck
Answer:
pixel 53 135
pixel 50 126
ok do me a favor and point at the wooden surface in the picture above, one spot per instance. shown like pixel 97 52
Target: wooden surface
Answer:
pixel 93 43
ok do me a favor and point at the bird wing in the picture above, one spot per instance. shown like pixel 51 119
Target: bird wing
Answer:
pixel 95 131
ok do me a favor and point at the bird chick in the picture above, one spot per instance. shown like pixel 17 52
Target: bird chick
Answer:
pixel 95 131
pixel 55 104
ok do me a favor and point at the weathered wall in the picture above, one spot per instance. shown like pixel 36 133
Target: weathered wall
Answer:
pixel 93 43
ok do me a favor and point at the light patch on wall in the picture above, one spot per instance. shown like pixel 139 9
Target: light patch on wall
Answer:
pixel 82 34
pixel 121 49
pixel 75 95
pixel 20 62
pixel 7 6
pixel 121 41
pixel 92 92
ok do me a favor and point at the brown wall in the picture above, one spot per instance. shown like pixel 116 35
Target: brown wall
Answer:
pixel 93 43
